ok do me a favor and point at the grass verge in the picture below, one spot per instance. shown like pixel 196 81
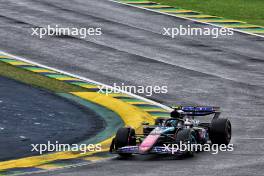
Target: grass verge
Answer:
pixel 37 80
pixel 250 11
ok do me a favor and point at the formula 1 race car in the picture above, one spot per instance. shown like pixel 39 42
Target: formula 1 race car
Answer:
pixel 181 128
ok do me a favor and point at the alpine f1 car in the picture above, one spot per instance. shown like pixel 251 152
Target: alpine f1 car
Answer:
pixel 181 128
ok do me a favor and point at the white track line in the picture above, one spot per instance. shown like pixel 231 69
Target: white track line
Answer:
pixel 256 138
pixel 164 13
pixel 86 79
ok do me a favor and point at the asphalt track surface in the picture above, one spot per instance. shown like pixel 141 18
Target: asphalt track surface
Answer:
pixel 33 116
pixel 226 72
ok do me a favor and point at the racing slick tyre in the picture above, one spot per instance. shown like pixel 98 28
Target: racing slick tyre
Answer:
pixel 220 131
pixel 186 136
pixel 125 137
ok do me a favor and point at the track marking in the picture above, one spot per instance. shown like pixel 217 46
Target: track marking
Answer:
pixel 86 79
pixel 122 98
pixel 66 167
pixel 251 138
pixel 182 17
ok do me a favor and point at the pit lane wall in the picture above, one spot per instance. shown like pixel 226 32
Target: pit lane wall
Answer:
pixel 132 109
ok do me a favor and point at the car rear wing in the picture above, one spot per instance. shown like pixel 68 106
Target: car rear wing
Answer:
pixel 199 110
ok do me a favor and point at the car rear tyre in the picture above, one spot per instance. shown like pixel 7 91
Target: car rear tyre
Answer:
pixel 220 131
